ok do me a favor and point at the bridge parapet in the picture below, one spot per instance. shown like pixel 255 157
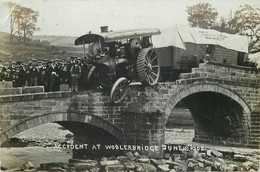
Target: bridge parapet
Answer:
pixel 144 112
pixel 222 73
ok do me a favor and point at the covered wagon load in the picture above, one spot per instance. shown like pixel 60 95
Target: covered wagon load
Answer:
pixel 182 48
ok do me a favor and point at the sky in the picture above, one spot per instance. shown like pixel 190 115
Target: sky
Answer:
pixel 77 17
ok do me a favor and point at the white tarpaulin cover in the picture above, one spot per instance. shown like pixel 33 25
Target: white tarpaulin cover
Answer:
pixel 168 37
pixel 178 35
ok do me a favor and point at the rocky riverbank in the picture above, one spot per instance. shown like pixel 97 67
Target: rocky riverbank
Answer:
pixel 204 160
pixel 46 135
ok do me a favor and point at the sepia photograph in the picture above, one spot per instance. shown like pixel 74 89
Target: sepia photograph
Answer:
pixel 129 85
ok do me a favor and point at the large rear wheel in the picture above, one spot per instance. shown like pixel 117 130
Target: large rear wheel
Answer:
pixel 119 90
pixel 148 66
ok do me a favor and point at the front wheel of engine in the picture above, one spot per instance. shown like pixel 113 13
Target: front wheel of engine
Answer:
pixel 148 66
pixel 119 90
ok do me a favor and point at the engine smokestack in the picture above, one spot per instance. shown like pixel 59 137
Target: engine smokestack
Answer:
pixel 104 29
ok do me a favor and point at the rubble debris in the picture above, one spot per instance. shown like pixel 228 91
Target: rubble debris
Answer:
pixel 213 160
pixel 28 165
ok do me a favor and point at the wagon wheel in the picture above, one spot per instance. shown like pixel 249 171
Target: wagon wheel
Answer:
pixel 148 66
pixel 119 90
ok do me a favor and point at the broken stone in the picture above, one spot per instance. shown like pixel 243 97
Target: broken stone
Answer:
pixel 191 164
pixel 156 162
pixel 117 167
pixel 83 166
pixel 28 165
pixel 216 153
pixel 48 166
pixel 71 161
pixel 13 169
pixel 149 167
pixel 230 167
pixel 172 170
pixel 221 161
pixel 193 161
pixel 170 162
pixel 164 167
pixel 130 156
pixel 217 165
pixel 208 168
pixel 122 158
pixel 203 155
pixel 57 169
pixel 138 167
pixel 136 154
pixel 208 163
pixel 201 165
pixel 129 165
pixel 144 160
pixel 208 153
pixel 190 154
pixel 252 170
pixel 247 165
pixel 95 169
pixel 30 170
pixel 238 157
pixel 109 162
pixel 167 156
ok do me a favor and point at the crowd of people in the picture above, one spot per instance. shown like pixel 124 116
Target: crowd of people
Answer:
pixel 50 74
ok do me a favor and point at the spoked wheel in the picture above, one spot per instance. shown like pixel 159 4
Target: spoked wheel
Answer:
pixel 119 90
pixel 148 66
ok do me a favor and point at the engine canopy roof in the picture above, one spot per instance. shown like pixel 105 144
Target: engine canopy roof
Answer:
pixel 116 35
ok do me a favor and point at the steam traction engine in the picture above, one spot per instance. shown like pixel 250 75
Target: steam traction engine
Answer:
pixel 118 57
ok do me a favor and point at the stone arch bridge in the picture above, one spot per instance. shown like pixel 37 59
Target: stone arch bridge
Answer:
pixel 223 100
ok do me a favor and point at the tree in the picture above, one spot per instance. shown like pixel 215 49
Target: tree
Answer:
pixel 26 23
pixel 247 22
pixel 227 25
pixel 22 21
pixel 13 12
pixel 202 15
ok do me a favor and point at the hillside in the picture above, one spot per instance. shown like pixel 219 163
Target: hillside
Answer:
pixel 64 41
pixel 58 47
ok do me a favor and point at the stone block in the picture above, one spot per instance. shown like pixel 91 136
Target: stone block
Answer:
pixel 149 167
pixel 164 167
pixel 238 157
pixel 157 162
pixel 112 168
pixel 216 153
pixel 28 165
pixel 6 84
pixel 144 160
pixel 10 91
pixel 109 162
pixel 129 165
pixel 32 89
pixel 247 165
pixel 64 87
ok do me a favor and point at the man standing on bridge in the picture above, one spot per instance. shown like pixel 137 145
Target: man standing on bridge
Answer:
pixel 75 75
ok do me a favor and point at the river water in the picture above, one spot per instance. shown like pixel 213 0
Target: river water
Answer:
pixel 16 157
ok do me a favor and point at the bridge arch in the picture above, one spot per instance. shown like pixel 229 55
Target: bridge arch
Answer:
pixel 206 87
pixel 61 117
